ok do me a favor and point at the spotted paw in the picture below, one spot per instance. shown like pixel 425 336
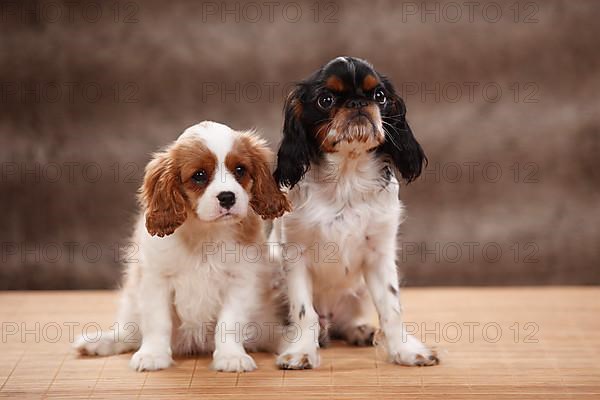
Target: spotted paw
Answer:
pixel 298 360
pixel 413 352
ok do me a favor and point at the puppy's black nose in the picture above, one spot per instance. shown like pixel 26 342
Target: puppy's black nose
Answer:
pixel 226 199
pixel 357 103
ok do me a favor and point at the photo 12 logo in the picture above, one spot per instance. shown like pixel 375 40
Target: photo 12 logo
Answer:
pixel 470 252
pixel 452 12
pixel 470 92
pixel 472 331
pixel 519 332
pixel 70 12
pixel 270 11
pixel 472 172
pixel 317 252
pixel 68 252
pixel 31 93
pixel 71 172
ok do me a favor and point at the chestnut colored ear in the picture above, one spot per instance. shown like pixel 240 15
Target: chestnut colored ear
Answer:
pixel 165 204
pixel 267 200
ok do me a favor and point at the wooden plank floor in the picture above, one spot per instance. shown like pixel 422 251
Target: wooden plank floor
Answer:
pixel 497 343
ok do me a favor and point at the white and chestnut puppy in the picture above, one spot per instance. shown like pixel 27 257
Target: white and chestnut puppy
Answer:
pixel 193 290
pixel 345 134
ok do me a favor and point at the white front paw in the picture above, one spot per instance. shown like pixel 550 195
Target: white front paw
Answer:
pixel 145 360
pixel 299 359
pixel 233 362
pixel 412 352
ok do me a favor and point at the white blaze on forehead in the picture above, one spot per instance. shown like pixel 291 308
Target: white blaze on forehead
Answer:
pixel 218 138
pixel 343 59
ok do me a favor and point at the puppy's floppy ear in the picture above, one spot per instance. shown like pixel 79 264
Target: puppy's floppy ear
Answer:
pixel 293 157
pixel 267 200
pixel 165 204
pixel 400 144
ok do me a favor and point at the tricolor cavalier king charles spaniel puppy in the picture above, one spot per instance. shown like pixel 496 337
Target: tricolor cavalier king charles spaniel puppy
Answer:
pixel 202 197
pixel 345 139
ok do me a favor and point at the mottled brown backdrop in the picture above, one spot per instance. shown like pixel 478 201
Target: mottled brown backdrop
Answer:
pixel 502 95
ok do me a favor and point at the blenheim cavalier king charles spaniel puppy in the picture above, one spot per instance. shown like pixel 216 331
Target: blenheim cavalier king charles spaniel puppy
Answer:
pixel 345 140
pixel 192 288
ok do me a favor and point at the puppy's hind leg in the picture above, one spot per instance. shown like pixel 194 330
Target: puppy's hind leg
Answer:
pixel 355 318
pixel 125 336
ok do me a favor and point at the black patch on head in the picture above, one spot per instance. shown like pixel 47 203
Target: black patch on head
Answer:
pixel 302 116
pixel 302 312
pixel 392 289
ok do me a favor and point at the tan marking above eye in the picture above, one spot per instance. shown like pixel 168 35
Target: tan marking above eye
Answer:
pixel 370 82
pixel 334 83
pixel 238 157
pixel 193 155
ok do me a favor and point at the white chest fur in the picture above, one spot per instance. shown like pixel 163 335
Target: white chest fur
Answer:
pixel 341 210
pixel 198 272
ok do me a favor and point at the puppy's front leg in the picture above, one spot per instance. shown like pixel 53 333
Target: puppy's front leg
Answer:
pixel 301 346
pixel 382 279
pixel 155 320
pixel 229 354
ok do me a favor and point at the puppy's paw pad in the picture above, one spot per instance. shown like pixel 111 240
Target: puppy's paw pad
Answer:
pixel 150 361
pixel 298 360
pixel 233 363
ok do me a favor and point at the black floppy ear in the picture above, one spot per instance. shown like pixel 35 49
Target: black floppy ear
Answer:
pixel 293 157
pixel 400 143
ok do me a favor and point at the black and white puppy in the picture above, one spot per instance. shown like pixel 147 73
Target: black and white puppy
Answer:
pixel 345 135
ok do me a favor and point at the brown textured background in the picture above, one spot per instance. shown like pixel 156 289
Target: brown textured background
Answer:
pixel 166 59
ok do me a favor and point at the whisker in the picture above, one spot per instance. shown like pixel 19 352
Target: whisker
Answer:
pixel 326 126
pixel 391 138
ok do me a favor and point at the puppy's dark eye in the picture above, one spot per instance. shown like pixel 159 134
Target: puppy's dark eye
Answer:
pixel 379 96
pixel 200 177
pixel 325 101
pixel 240 171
